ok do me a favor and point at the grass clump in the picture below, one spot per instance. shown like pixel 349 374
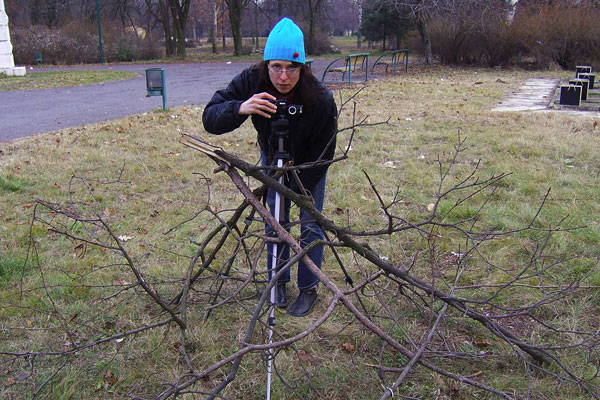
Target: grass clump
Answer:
pixel 11 267
pixel 11 184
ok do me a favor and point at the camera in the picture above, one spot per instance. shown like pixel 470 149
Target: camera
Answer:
pixel 284 109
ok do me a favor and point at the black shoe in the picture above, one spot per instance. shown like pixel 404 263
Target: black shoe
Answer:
pixel 281 295
pixel 304 304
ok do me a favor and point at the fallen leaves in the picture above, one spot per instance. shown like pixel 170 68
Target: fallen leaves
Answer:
pixel 305 357
pixel 349 347
pixel 482 343
pixel 109 379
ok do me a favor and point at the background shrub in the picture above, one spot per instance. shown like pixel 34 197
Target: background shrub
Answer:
pixel 538 35
pixel 77 43
pixel 559 33
pixel 483 39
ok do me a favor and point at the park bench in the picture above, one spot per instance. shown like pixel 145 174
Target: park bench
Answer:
pixel 392 59
pixel 353 63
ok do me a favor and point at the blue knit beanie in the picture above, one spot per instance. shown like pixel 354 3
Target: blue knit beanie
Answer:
pixel 285 42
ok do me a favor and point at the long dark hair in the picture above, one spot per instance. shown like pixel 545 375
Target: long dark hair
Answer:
pixel 305 91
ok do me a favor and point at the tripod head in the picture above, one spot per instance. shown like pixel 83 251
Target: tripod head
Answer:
pixel 280 124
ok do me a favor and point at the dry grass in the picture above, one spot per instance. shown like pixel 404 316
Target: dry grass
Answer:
pixel 163 184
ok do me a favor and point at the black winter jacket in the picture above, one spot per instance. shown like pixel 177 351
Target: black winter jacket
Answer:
pixel 312 133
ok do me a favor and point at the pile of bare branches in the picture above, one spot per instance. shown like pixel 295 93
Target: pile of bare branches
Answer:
pixel 425 286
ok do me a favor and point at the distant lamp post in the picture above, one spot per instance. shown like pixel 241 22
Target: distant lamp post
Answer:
pixel 99 32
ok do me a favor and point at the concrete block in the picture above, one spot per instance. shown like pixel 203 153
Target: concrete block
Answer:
pixel 19 71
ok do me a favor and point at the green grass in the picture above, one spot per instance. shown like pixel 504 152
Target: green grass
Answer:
pixel 11 184
pixel 66 78
pixel 75 287
pixel 11 267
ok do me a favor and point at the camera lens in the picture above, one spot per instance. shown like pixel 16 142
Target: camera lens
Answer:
pixel 292 110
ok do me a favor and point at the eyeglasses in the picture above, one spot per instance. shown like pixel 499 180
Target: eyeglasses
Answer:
pixel 278 69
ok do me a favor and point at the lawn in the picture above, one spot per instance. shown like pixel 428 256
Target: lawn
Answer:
pixel 76 322
pixel 65 78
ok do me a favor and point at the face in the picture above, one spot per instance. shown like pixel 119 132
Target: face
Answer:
pixel 284 80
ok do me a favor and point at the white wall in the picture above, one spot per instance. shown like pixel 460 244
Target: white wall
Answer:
pixel 6 56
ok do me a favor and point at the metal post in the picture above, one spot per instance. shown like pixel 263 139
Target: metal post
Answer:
pixel 274 264
pixel 164 90
pixel 99 32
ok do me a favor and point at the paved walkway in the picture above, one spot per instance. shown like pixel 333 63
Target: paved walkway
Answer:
pixel 534 95
pixel 540 95
pixel 29 112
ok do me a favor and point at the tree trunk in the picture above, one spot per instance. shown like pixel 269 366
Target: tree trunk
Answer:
pixel 256 24
pixel 425 39
pixel 169 43
pixel 179 11
pixel 214 29
pixel 162 15
pixel 359 34
pixel 313 10
pixel 236 13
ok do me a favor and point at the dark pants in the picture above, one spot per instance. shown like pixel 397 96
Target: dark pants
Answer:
pixel 309 232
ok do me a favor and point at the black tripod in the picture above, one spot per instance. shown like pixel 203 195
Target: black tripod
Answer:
pixel 280 125
pixel 280 128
